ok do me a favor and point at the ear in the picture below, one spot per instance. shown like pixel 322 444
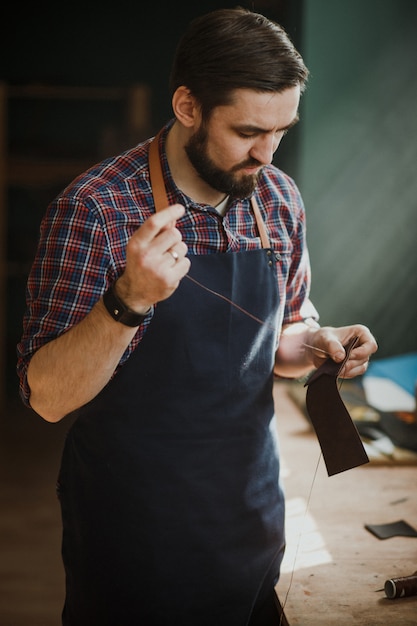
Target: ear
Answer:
pixel 185 107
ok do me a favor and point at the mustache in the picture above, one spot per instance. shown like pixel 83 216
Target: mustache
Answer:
pixel 247 163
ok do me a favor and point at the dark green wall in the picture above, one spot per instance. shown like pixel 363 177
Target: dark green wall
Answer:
pixel 358 164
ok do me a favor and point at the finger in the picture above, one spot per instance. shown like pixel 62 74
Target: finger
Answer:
pixel 338 338
pixel 160 222
pixel 354 368
pixel 365 350
pixel 335 350
pixel 177 267
pixel 174 254
pixel 359 357
pixel 176 251
pixel 358 361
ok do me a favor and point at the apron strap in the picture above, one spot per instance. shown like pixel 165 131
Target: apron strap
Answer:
pixel 155 172
pixel 260 223
pixel 160 196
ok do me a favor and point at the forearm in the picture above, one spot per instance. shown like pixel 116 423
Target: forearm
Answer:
pixel 71 370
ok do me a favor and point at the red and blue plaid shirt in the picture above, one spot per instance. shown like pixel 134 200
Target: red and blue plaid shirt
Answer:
pixel 85 230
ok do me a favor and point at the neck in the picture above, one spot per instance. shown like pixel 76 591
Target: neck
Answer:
pixel 183 173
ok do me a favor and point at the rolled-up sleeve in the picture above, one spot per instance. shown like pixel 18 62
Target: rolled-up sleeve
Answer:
pixel 67 277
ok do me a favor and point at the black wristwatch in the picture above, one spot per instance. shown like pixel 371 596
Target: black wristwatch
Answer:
pixel 119 311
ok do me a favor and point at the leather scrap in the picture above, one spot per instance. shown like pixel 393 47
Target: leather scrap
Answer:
pixel 340 442
pixel 393 529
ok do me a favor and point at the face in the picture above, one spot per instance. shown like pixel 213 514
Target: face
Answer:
pixel 230 150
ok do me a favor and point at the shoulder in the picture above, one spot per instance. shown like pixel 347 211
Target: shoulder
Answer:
pixel 117 173
pixel 115 190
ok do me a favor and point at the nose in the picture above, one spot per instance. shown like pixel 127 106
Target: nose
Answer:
pixel 264 148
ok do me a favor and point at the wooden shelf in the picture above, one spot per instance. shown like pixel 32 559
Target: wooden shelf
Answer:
pixel 25 171
pixel 56 92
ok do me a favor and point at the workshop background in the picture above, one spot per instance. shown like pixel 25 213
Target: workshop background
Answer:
pixel 79 84
pixel 80 81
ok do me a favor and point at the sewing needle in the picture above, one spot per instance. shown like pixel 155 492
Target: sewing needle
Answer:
pixel 314 348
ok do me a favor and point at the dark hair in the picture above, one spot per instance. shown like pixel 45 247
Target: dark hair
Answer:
pixel 230 49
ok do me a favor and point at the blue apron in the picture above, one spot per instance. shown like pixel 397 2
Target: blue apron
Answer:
pixel 169 483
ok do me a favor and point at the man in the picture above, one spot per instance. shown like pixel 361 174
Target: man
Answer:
pixel 169 284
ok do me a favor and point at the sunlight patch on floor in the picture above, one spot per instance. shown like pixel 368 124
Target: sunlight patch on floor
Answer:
pixel 305 545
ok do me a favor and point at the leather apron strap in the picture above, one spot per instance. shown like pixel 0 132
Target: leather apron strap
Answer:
pixel 160 196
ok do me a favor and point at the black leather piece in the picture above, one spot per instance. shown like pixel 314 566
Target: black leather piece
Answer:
pixel 338 436
pixel 393 529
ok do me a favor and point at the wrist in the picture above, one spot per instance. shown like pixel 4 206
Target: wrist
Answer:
pixel 128 297
pixel 120 311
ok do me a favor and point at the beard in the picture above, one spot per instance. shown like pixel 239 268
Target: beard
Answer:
pixel 224 181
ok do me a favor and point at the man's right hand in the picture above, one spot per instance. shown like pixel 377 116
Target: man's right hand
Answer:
pixel 155 261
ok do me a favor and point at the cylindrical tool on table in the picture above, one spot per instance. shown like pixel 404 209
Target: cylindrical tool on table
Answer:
pixel 401 587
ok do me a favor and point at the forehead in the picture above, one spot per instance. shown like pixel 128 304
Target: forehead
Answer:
pixel 264 109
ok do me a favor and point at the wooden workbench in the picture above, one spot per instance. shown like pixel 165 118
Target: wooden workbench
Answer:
pixel 334 568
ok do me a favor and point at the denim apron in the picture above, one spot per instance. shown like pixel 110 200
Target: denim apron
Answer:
pixel 169 483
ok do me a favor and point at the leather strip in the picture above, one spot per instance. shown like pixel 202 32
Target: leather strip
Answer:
pixel 260 223
pixel 156 176
pixel 338 436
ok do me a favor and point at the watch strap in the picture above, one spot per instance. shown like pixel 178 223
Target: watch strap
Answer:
pixel 119 311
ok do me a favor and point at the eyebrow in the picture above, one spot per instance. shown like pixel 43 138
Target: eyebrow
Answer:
pixel 250 128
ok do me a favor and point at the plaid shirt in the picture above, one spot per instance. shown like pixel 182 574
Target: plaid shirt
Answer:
pixel 85 230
